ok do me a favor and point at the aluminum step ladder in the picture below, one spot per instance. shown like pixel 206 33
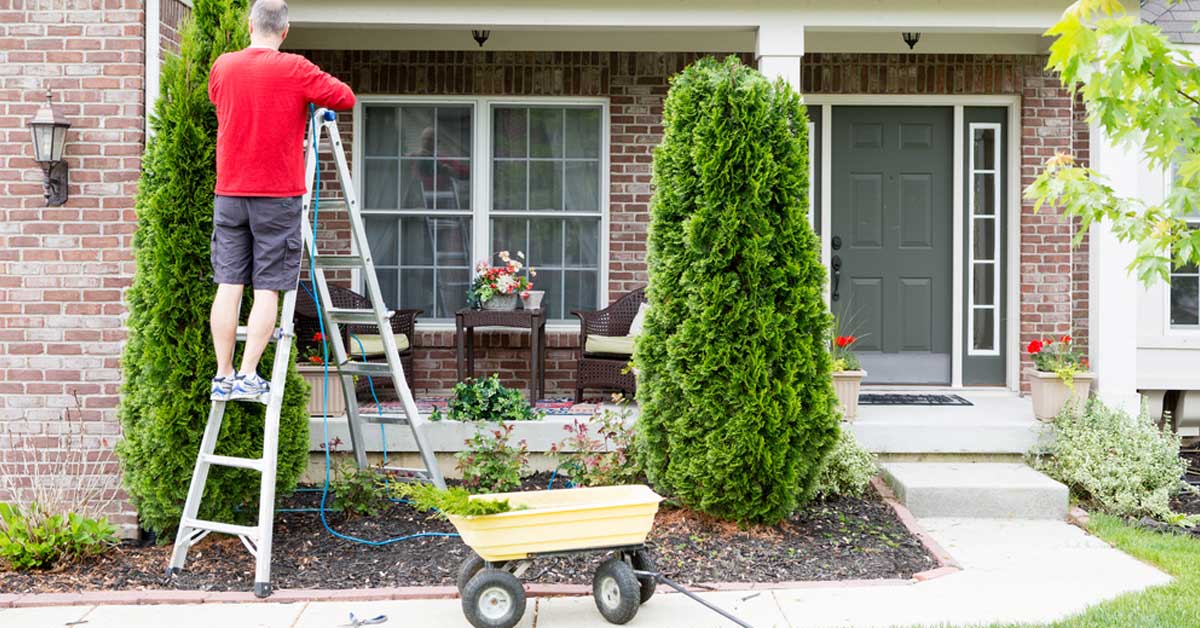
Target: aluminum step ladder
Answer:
pixel 258 538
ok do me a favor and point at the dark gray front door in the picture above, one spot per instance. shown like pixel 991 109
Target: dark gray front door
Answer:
pixel 892 239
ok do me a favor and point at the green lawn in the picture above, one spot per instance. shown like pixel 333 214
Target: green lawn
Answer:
pixel 1171 606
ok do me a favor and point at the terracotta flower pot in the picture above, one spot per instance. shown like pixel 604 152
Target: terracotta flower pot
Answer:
pixel 1051 394
pixel 315 376
pixel 846 385
pixel 501 302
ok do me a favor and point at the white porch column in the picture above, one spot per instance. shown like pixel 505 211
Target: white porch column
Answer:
pixel 778 50
pixel 1114 290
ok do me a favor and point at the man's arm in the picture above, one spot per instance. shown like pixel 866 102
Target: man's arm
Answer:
pixel 323 90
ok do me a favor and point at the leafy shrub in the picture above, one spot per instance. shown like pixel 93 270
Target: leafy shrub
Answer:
pixel 168 359
pixel 490 464
pixel 486 400
pixel 448 501
pixel 737 398
pixel 848 469
pixel 357 491
pixel 36 539
pixel 1123 465
pixel 606 459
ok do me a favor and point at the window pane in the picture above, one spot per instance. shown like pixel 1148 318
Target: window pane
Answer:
pixel 453 235
pixel 985 195
pixel 454 131
pixel 509 132
pixel 580 290
pixel 453 182
pixel 1185 294
pixel 983 292
pixel 545 185
pixel 382 132
pixel 545 132
pixel 984 336
pixel 416 288
pixel 452 291
pixel 417 131
pixel 583 186
pixel 508 185
pixel 985 238
pixel 583 132
pixel 509 234
pixel 380 184
pixel 417 247
pixel 582 243
pixel 381 239
pixel 550 281
pixel 545 242
pixel 985 149
pixel 417 184
pixel 387 290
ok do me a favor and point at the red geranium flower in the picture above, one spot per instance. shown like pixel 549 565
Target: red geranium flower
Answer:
pixel 317 337
pixel 316 359
pixel 845 341
pixel 1066 340
pixel 1035 346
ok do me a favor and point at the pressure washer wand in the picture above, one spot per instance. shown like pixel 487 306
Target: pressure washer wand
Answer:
pixel 682 589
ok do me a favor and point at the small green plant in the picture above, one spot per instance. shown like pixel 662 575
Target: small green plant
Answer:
pixel 848 469
pixel 490 464
pixel 606 459
pixel 36 539
pixel 486 400
pixel 1059 357
pixel 843 356
pixel 1122 465
pixel 356 491
pixel 449 501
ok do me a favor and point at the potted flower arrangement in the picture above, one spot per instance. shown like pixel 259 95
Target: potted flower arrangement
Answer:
pixel 497 287
pixel 312 369
pixel 1059 376
pixel 847 375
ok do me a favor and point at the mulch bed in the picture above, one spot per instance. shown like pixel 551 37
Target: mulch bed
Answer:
pixel 840 539
pixel 1189 503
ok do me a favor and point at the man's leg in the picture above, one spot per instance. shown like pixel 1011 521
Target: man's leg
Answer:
pixel 259 329
pixel 224 319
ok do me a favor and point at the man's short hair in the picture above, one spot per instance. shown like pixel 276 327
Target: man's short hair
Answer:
pixel 270 17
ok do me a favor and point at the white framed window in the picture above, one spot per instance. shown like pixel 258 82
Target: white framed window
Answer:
pixel 983 267
pixel 448 182
pixel 1183 294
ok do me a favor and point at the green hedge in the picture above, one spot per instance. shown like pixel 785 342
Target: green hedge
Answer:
pixel 737 402
pixel 168 360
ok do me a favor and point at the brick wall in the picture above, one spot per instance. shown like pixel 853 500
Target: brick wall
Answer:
pixel 1053 278
pixel 172 14
pixel 1080 255
pixel 63 270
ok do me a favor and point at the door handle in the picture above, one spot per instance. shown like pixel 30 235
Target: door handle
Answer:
pixel 836 263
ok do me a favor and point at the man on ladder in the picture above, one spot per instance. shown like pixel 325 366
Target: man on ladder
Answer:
pixel 261 96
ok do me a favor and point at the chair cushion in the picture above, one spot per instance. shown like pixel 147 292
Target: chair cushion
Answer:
pixel 616 345
pixel 639 320
pixel 373 344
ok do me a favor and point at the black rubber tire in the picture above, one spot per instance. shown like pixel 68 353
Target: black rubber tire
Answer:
pixel 467 570
pixel 493 598
pixel 617 591
pixel 643 561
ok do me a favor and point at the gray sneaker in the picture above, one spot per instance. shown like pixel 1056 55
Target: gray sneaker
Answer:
pixel 222 387
pixel 251 388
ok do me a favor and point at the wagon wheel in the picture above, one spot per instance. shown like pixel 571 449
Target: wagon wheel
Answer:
pixel 617 591
pixel 467 570
pixel 493 598
pixel 643 561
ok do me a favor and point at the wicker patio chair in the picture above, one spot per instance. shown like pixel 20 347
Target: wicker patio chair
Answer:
pixel 605 370
pixel 403 322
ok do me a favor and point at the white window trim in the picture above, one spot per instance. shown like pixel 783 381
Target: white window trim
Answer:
pixel 1168 328
pixel 481 178
pixel 996 262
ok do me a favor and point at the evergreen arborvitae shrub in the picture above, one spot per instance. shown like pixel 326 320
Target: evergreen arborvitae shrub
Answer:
pixel 168 360
pixel 737 401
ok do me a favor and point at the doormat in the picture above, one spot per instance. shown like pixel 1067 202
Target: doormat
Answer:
pixel 551 407
pixel 911 399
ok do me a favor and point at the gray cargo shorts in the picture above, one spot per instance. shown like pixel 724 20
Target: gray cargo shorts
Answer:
pixel 256 240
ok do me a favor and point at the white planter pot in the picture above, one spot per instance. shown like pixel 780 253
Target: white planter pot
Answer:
pixel 501 302
pixel 315 376
pixel 846 385
pixel 1050 394
pixel 534 299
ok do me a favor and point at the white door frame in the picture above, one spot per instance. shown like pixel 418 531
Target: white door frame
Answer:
pixel 1012 103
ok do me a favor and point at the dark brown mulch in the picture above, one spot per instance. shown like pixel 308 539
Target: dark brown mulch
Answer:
pixel 1189 502
pixel 840 539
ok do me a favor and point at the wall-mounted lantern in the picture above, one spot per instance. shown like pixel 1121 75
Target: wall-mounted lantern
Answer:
pixel 49 129
pixel 911 39
pixel 481 37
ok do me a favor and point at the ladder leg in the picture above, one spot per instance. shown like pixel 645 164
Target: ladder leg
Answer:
pixel 354 422
pixel 191 507
pixel 270 457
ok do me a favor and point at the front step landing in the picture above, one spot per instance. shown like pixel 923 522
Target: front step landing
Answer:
pixel 979 490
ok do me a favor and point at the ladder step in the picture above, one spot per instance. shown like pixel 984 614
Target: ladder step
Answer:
pixel 254 464
pixel 372 369
pixel 387 418
pixel 421 474
pixel 242 331
pixel 217 526
pixel 339 261
pixel 343 316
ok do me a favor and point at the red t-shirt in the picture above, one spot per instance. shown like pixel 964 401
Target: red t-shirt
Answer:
pixel 262 98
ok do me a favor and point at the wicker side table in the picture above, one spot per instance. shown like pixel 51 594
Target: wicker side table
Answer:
pixel 466 320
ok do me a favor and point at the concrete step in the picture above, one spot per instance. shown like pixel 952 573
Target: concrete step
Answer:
pixel 981 490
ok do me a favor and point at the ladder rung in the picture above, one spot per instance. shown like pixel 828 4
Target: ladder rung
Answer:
pixel 223 528
pixel 241 334
pixel 254 464
pixel 387 418
pixel 416 473
pixel 339 261
pixel 372 369
pixel 343 316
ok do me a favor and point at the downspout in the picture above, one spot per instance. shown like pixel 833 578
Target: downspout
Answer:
pixel 153 31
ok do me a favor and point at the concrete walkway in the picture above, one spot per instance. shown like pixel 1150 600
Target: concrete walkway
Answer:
pixel 1013 571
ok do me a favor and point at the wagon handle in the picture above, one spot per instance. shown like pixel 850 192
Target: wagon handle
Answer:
pixel 678 587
